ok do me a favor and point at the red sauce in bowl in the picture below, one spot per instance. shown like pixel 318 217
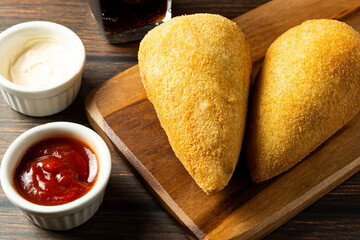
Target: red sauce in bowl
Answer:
pixel 56 171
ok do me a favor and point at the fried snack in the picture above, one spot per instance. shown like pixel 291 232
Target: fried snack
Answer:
pixel 196 72
pixel 307 89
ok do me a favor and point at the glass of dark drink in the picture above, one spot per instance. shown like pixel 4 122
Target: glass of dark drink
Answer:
pixel 123 21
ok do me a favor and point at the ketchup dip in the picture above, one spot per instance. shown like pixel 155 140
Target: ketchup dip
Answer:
pixel 56 171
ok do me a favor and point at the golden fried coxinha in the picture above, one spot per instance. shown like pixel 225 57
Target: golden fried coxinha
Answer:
pixel 307 89
pixel 196 70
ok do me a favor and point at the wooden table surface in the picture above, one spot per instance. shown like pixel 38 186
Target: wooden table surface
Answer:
pixel 128 210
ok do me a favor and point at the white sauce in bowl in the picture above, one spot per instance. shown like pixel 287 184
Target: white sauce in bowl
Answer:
pixel 40 62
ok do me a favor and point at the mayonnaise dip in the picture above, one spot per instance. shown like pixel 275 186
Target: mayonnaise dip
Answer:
pixel 40 62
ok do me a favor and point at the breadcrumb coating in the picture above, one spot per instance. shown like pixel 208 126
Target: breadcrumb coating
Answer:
pixel 196 72
pixel 307 89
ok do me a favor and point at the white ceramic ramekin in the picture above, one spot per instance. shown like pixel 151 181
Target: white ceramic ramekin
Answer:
pixel 53 98
pixel 65 216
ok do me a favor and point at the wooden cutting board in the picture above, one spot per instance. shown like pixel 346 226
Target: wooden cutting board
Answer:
pixel 119 110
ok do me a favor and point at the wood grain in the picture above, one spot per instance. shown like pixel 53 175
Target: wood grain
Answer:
pixel 264 24
pixel 119 109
